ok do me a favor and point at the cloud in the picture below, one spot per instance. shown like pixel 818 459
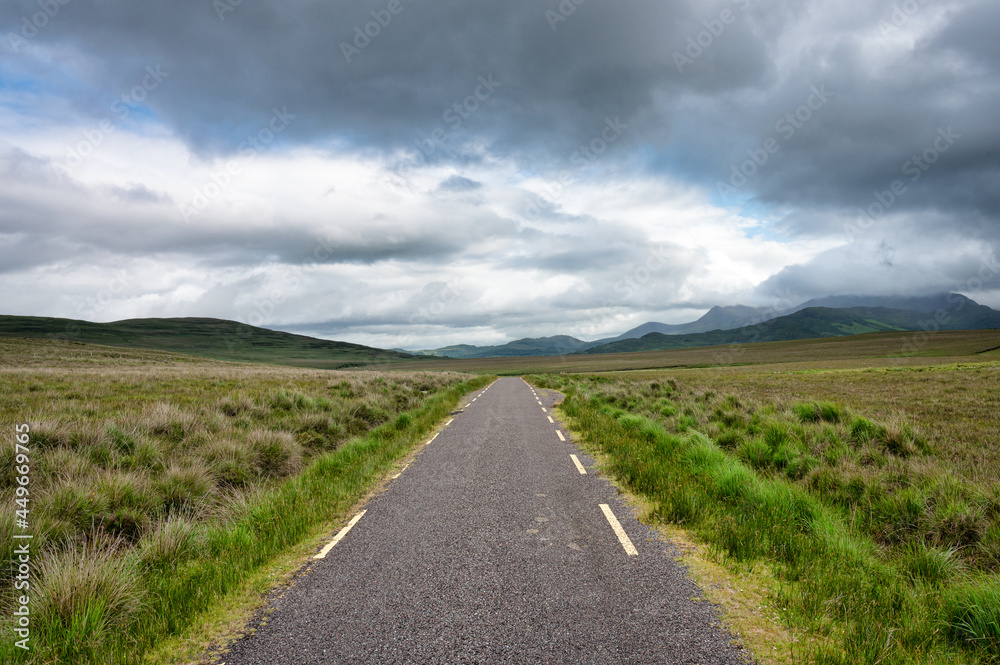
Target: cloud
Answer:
pixel 346 167
pixel 457 183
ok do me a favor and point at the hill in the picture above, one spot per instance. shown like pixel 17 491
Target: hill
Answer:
pixel 204 337
pixel 537 346
pixel 812 322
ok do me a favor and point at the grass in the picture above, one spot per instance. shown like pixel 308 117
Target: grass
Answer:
pixel 160 484
pixel 852 483
pixel 878 525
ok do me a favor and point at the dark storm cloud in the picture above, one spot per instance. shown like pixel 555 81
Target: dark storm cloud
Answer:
pixel 509 76
pixel 807 115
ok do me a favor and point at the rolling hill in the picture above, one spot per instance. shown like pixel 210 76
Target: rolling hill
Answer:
pixel 537 346
pixel 204 337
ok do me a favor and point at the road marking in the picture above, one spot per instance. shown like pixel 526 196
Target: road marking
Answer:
pixel 474 399
pixel 579 467
pixel 432 438
pixel 449 422
pixel 543 410
pixel 402 470
pixel 619 531
pixel 559 434
pixel 550 420
pixel 336 539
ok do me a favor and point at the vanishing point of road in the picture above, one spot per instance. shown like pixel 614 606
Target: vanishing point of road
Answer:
pixel 497 544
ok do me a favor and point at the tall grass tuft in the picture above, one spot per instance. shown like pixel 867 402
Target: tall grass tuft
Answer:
pixel 170 544
pixel 83 595
pixel 276 454
pixel 185 488
pixel 813 412
pixel 972 616
pixel 931 564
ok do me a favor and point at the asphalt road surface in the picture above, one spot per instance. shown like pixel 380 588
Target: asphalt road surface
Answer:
pixel 493 547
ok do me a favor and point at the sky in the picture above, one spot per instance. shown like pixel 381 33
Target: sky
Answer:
pixel 418 173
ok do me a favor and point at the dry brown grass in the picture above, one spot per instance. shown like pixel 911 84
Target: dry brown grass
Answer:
pixel 955 405
pixel 870 350
pixel 122 440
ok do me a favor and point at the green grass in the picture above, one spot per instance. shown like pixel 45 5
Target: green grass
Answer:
pixel 159 485
pixel 882 553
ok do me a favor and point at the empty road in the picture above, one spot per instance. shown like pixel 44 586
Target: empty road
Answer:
pixel 493 546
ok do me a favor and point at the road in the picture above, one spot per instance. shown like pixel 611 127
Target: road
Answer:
pixel 493 547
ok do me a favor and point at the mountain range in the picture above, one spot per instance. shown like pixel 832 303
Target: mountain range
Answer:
pixel 228 340
pixel 832 316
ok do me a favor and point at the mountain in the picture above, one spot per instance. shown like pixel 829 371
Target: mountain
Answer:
pixel 208 338
pixel 844 315
pixel 817 322
pixel 539 346
pixel 925 304
pixel 737 316
pixel 717 318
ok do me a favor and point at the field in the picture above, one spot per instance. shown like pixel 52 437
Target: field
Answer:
pixel 847 488
pixel 863 496
pixel 868 350
pixel 159 483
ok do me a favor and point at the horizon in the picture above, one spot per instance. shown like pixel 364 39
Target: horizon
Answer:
pixel 763 315
pixel 401 175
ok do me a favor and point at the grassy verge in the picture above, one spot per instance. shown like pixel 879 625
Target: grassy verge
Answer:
pixel 878 552
pixel 157 492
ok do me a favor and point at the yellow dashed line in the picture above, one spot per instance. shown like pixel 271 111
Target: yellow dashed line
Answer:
pixel 619 531
pixel 336 539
